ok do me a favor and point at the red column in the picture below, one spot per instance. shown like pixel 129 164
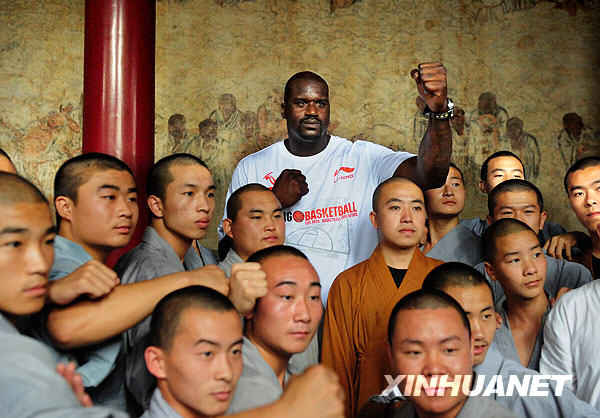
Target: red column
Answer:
pixel 118 91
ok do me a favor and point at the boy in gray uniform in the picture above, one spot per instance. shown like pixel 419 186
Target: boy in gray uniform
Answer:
pixel 181 200
pixel 30 383
pixel 447 239
pixel 283 323
pixel 522 200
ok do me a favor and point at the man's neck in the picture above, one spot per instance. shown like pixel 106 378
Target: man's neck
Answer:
pixel 240 254
pixel 13 319
pixel 276 361
pixel 66 231
pixel 182 409
pixel 452 413
pixel 303 148
pixel 396 257
pixel 439 227
pixel 180 245
pixel 522 311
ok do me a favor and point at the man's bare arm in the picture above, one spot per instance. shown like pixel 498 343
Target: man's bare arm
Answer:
pixel 430 167
pixel 89 322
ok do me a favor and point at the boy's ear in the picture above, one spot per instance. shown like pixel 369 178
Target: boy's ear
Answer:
pixel 64 207
pixel 489 269
pixel 154 362
pixel 482 186
pixel 156 206
pixel 373 218
pixel 227 227
pixel 542 219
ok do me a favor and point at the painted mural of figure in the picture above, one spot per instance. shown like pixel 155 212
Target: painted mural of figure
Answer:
pixel 487 128
pixel 271 126
pixel 40 147
pixel 525 146
pixel 576 140
pixel 460 135
pixel 176 139
pixel 230 136
pixel 250 127
pixel 228 116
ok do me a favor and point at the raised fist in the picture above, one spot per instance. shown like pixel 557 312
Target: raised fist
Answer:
pixel 289 187
pixel 431 84
pixel 248 282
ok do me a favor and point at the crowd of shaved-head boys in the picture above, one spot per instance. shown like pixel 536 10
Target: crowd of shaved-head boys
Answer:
pixel 347 287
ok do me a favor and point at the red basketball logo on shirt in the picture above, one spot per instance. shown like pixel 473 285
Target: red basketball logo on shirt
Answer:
pixel 298 216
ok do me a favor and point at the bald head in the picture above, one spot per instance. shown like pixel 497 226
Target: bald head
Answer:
pixel 6 163
pixel 302 76
pixel 499 229
pixel 379 189
pixel 15 189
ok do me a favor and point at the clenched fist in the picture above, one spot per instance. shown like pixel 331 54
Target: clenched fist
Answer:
pixel 289 187
pixel 432 86
pixel 248 282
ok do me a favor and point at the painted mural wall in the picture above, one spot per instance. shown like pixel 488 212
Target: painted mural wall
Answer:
pixel 523 73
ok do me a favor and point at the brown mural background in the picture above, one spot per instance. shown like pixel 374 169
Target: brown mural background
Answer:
pixel 525 75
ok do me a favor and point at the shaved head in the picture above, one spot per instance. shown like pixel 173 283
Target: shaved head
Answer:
pixel 302 76
pixel 501 228
pixel 15 189
pixel 379 189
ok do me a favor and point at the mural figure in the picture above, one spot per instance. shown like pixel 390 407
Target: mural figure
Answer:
pixel 525 146
pixel 38 149
pixel 271 126
pixel 230 137
pixel 460 137
pixel 487 128
pixel 576 140
pixel 250 142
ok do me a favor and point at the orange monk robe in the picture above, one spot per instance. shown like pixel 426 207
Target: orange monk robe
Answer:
pixel 359 305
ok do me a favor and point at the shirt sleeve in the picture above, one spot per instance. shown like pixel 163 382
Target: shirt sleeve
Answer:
pixel 384 161
pixel 29 385
pixel 556 355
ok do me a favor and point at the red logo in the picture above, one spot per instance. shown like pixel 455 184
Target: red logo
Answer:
pixel 270 177
pixel 344 169
pixel 298 216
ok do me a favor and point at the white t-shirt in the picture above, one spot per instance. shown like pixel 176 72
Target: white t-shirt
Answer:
pixel 331 223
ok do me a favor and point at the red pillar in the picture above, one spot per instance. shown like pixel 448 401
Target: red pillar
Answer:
pixel 118 91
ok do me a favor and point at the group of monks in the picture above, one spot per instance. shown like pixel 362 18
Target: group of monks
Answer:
pixel 345 283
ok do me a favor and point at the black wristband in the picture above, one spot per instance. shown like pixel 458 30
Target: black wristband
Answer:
pixel 440 116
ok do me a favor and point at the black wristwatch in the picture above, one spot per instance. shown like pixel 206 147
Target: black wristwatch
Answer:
pixel 440 116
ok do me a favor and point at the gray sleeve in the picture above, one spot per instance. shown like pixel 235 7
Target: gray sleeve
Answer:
pixel 138 380
pixel 30 387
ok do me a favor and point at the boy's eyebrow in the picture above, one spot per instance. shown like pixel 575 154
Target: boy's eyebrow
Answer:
pixel 20 230
pixel 109 186
pixel 581 187
pixel 13 230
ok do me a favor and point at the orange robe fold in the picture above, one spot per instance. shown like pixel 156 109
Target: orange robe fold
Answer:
pixel 359 304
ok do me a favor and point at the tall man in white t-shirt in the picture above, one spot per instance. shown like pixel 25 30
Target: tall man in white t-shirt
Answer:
pixel 324 182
